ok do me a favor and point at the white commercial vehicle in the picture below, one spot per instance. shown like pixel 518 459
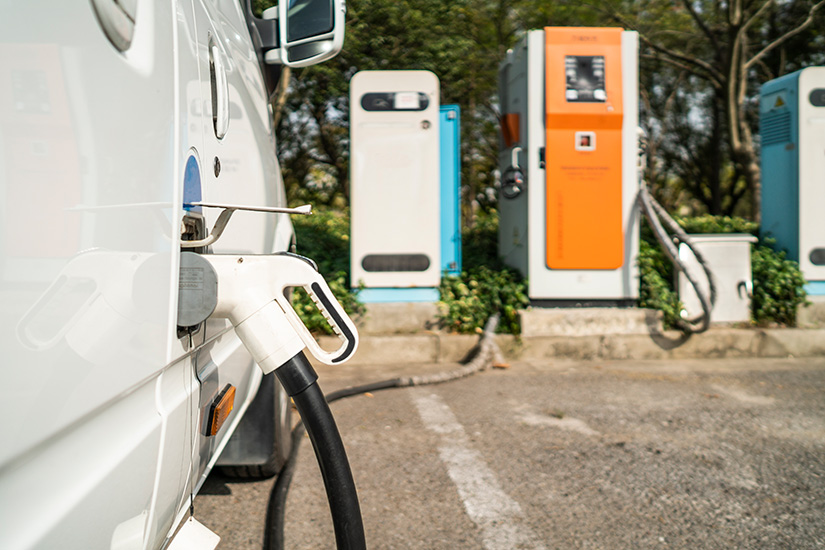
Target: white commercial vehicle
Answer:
pixel 117 118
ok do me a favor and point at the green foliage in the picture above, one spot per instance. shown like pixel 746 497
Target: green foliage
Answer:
pixel 705 224
pixel 656 283
pixel 485 287
pixel 693 63
pixel 480 243
pixel 324 237
pixel 778 286
pixel 718 224
pixel 469 300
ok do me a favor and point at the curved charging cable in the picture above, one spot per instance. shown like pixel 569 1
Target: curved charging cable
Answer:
pixel 657 216
pixel 300 382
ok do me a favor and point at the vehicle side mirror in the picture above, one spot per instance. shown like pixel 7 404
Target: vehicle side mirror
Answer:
pixel 309 31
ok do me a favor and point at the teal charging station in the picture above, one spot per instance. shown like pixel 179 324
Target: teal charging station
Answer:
pixel 792 132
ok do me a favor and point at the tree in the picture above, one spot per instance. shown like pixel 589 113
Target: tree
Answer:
pixel 702 61
pixel 463 42
pixel 381 35
pixel 727 44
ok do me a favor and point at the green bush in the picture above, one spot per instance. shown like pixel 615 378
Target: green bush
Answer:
pixel 778 286
pixel 324 237
pixel 479 243
pixel 486 285
pixel 469 300
pixel 718 224
pixel 656 284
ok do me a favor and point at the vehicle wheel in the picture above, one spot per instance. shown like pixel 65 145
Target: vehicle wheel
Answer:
pixel 260 445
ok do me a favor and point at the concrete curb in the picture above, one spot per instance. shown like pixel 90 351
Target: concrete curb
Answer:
pixel 437 347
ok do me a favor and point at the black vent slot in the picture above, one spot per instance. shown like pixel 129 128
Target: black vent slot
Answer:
pixel 395 262
pixel 817 256
pixel 776 128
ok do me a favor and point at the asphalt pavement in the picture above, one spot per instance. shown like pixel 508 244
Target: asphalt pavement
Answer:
pixel 723 453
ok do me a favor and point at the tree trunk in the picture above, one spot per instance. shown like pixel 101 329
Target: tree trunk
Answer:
pixel 280 96
pixel 715 170
pixel 742 147
pixel 743 153
pixel 748 162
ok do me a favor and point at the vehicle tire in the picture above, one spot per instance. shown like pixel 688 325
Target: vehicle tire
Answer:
pixel 262 441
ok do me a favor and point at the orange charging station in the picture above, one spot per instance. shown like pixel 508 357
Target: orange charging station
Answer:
pixel 569 146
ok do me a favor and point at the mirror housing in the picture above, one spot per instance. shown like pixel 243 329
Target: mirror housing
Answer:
pixel 309 31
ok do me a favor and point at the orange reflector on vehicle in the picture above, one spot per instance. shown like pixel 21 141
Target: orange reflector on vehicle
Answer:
pixel 220 409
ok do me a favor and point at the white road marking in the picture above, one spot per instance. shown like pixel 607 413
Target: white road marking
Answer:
pixel 743 396
pixel 499 517
pixel 566 423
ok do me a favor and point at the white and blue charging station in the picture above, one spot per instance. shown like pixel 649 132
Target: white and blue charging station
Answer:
pixel 792 131
pixel 404 186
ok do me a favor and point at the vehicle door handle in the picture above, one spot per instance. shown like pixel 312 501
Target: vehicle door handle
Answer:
pixel 220 90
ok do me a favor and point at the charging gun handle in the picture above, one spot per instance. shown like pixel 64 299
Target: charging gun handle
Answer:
pixel 297 272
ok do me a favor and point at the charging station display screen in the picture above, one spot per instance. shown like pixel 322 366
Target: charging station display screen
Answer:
pixel 585 79
pixel 395 101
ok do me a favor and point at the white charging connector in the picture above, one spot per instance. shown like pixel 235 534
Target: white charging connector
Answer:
pixel 251 295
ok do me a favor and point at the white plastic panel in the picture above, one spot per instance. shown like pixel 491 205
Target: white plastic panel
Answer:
pixel 73 179
pixel 249 172
pixel 729 259
pixel 395 189
pixel 71 492
pixel 811 175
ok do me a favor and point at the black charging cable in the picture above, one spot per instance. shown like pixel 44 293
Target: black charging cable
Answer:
pixel 300 382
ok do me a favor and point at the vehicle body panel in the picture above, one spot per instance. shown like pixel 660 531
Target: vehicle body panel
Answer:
pixel 104 414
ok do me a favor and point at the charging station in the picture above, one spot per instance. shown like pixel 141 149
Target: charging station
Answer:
pixel 404 188
pixel 569 146
pixel 791 126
